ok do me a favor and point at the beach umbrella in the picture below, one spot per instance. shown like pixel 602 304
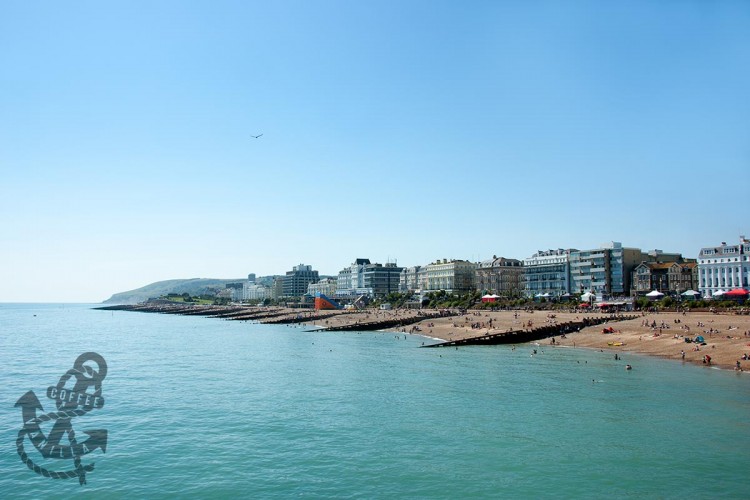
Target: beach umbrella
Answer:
pixel 718 293
pixel 654 294
pixel 690 293
pixel 737 292
pixel 584 304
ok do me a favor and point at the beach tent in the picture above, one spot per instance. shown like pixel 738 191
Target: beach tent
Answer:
pixel 718 293
pixel 690 293
pixel 586 297
pixel 738 294
pixel 490 298
pixel 654 294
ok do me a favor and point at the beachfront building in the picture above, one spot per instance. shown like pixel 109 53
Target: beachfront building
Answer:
pixel 449 275
pixel 326 286
pixel 254 291
pixel 363 277
pixel 410 279
pixel 296 281
pixel 277 288
pixel 547 273
pixel 234 291
pixel 723 268
pixel 669 278
pixel 604 271
pixel 500 276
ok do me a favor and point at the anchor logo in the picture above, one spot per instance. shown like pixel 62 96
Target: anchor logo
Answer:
pixel 84 396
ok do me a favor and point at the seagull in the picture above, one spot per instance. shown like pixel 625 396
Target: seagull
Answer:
pixel 255 136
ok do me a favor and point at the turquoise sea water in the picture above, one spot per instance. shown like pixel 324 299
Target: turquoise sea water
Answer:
pixel 205 408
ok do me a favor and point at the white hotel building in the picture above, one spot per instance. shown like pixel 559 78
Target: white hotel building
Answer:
pixel 723 268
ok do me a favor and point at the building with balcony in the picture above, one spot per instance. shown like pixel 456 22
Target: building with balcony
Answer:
pixel 449 275
pixel 410 279
pixel 500 276
pixel 254 291
pixel 326 286
pixel 724 267
pixel 548 272
pixel 605 271
pixel 370 279
pixel 296 281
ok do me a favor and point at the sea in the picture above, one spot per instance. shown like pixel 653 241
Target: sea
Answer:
pixel 196 407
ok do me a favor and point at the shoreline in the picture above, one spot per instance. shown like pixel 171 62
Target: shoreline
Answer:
pixel 726 336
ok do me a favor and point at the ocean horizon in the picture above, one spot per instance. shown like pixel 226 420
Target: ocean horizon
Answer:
pixel 199 407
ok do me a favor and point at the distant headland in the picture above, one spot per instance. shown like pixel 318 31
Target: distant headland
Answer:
pixel 192 286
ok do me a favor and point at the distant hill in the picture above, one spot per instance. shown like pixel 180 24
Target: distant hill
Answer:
pixel 194 286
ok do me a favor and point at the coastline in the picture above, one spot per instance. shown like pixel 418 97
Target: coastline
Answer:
pixel 726 336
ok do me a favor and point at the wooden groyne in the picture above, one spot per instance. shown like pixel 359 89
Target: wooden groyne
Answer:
pixel 386 324
pixel 297 318
pixel 270 315
pixel 539 333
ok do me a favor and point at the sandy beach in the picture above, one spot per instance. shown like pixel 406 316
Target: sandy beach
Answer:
pixel 726 335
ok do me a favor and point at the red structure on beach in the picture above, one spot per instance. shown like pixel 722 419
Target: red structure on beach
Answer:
pixel 322 302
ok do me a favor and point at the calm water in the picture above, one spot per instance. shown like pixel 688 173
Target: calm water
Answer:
pixel 204 408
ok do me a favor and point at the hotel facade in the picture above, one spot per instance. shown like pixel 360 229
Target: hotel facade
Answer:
pixel 500 276
pixel 606 270
pixel 724 267
pixel 547 272
pixel 365 278
pixel 450 275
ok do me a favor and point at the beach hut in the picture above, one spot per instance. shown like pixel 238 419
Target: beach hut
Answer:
pixel 654 295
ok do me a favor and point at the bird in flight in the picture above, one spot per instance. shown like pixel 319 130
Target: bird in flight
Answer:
pixel 255 136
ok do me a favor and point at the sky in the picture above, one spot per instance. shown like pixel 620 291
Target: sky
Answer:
pixel 404 131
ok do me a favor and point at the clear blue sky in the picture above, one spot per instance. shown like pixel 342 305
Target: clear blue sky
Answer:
pixel 409 130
